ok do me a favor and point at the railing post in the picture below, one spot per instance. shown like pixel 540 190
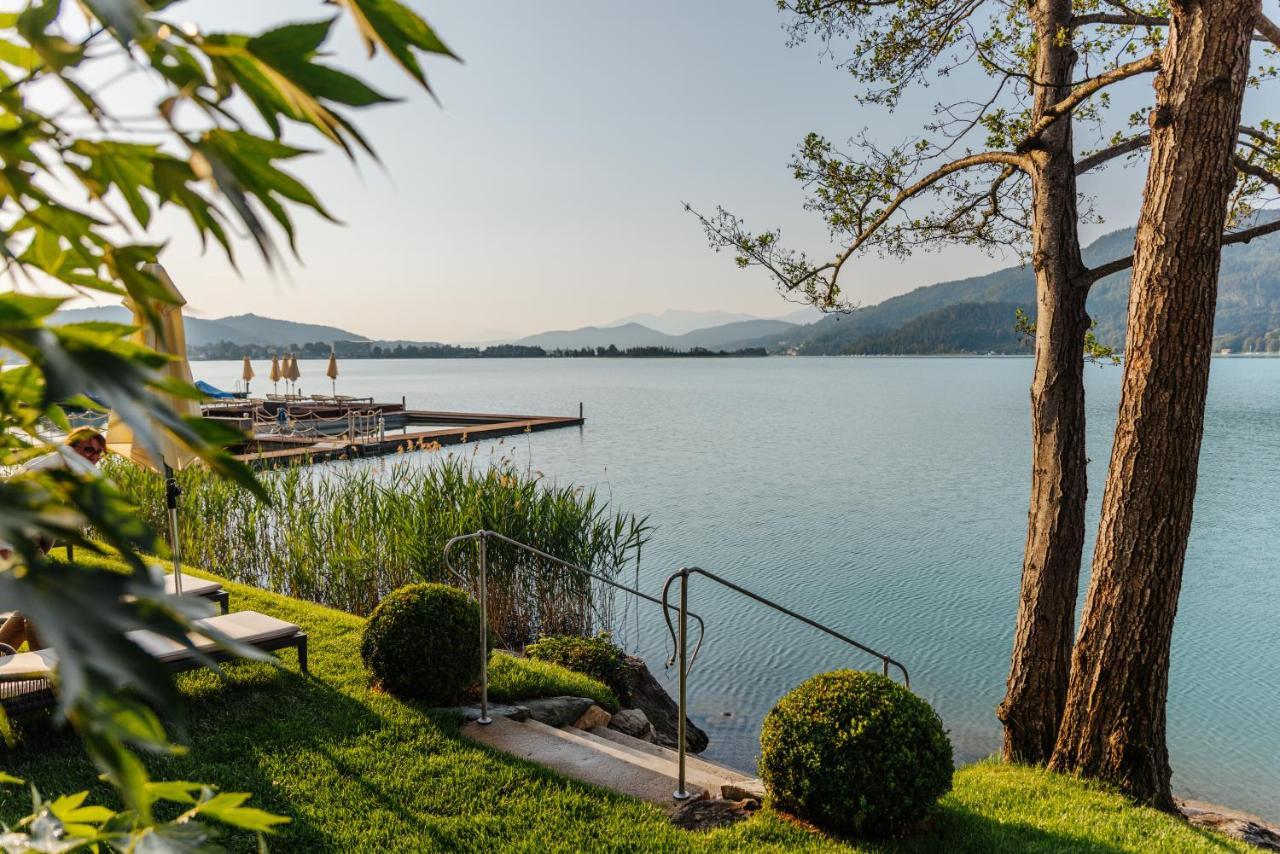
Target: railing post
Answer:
pixel 484 632
pixel 682 792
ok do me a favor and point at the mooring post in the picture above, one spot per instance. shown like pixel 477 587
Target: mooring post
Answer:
pixel 484 632
pixel 579 410
pixel 682 792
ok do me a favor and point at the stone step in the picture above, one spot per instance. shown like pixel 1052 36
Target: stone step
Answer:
pixel 578 755
pixel 698 772
pixel 721 772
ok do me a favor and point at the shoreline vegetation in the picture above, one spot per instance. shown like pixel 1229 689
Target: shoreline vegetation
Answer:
pixel 230 351
pixel 347 536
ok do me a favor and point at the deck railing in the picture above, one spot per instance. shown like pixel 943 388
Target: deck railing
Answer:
pixel 680 634
pixel 679 631
pixel 482 539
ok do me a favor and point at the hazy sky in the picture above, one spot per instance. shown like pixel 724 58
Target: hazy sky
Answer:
pixel 545 189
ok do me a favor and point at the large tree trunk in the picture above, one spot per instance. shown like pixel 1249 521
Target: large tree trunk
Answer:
pixel 1114 724
pixel 1037 686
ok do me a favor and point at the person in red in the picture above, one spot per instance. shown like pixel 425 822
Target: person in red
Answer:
pixel 88 444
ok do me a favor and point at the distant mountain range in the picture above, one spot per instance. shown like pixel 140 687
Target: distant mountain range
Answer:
pixel 973 315
pixel 1248 315
pixel 720 337
pixel 240 329
pixel 681 322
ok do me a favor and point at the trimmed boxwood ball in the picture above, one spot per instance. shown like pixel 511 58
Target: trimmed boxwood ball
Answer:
pixel 855 753
pixel 422 642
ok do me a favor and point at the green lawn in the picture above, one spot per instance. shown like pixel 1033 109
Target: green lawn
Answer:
pixel 359 771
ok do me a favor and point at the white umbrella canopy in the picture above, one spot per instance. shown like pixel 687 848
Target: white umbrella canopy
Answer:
pixel 170 339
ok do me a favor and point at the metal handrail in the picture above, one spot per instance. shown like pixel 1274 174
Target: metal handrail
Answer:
pixel 482 537
pixel 680 638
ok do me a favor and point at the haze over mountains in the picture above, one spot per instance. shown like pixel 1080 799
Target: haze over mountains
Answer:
pixel 973 315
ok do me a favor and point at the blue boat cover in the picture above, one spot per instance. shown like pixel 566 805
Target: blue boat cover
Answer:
pixel 213 392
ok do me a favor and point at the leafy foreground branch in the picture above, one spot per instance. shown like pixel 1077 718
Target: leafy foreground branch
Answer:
pixel 67 823
pixel 81 185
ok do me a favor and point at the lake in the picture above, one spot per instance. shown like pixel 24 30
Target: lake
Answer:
pixel 888 499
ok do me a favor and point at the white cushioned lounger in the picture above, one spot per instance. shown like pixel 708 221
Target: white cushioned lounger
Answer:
pixel 202 587
pixel 24 678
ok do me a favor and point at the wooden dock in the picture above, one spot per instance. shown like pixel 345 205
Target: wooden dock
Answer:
pixel 272 450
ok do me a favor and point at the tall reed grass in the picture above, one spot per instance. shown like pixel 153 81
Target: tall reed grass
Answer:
pixel 345 536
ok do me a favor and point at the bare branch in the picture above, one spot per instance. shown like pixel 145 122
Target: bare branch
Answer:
pixel 1268 29
pixel 1150 62
pixel 1231 237
pixel 1008 158
pixel 1096 159
pixel 1123 19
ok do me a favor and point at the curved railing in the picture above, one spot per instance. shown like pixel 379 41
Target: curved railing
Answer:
pixel 679 634
pixel 482 537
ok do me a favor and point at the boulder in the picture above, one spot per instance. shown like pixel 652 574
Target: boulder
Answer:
pixel 1238 825
pixel 710 814
pixel 593 717
pixel 632 722
pixel 644 692
pixel 558 711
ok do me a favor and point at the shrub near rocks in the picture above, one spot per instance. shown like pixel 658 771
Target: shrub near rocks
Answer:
pixel 856 754
pixel 422 642
pixel 598 657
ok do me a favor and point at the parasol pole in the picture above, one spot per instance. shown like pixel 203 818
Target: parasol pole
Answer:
pixel 171 493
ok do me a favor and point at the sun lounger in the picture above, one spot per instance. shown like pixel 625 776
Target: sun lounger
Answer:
pixel 191 586
pixel 202 587
pixel 25 678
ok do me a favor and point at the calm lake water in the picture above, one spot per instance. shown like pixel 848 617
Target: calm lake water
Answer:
pixel 888 499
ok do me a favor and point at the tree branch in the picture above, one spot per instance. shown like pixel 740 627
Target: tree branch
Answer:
pixel 1096 159
pixel 1122 20
pixel 1008 158
pixel 1150 62
pixel 1229 238
pixel 1268 29
pixel 1256 171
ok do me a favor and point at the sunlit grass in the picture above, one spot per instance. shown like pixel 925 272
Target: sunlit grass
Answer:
pixel 358 770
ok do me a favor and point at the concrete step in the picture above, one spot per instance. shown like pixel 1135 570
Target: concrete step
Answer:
pixel 692 761
pixel 576 754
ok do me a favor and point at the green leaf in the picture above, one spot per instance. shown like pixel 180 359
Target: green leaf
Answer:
pixel 226 807
pixel 398 30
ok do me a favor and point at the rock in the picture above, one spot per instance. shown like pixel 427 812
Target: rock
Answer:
pixel 1237 825
pixel 708 815
pixel 558 711
pixel 632 722
pixel 496 710
pixel 593 717
pixel 644 692
pixel 744 790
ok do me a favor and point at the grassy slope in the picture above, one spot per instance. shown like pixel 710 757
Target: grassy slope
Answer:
pixel 359 771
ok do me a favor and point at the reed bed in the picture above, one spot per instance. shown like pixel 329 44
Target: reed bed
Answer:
pixel 345 536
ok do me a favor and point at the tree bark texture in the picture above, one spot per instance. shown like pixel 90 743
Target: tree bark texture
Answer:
pixel 1114 724
pixel 1037 686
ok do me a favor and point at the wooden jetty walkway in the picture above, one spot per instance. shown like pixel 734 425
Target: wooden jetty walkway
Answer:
pixel 269 449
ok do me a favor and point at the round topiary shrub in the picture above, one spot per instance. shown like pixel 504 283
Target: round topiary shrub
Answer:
pixel 855 753
pixel 598 657
pixel 422 642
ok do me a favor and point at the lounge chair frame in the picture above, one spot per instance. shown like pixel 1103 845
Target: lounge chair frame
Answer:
pixel 33 695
